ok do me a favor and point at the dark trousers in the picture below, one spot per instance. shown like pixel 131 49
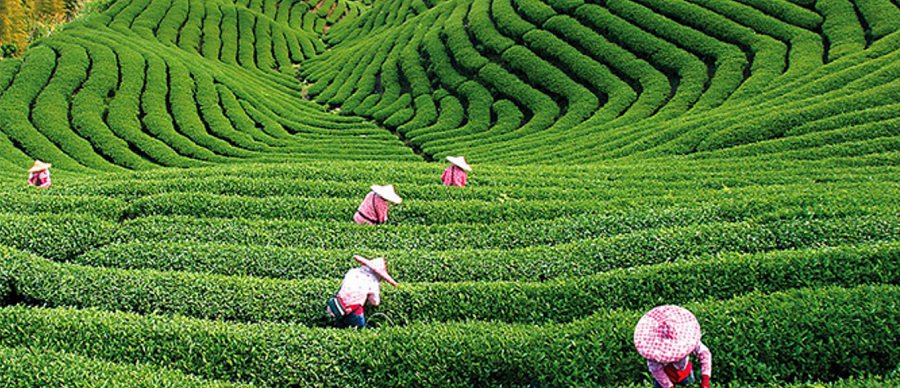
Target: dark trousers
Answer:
pixel 351 320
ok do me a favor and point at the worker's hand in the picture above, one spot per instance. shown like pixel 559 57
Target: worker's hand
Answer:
pixel 705 382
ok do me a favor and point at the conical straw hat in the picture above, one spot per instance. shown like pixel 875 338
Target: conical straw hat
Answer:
pixel 387 192
pixel 460 161
pixel 667 334
pixel 39 166
pixel 377 265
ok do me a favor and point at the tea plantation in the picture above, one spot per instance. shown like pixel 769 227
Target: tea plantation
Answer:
pixel 740 158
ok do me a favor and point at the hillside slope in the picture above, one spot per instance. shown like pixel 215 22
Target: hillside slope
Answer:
pixel 149 83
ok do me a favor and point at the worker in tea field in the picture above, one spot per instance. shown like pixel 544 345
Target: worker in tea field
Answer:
pixel 373 209
pixel 39 174
pixel 667 336
pixel 455 174
pixel 361 286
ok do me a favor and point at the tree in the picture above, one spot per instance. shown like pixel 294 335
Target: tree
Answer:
pixel 48 11
pixel 14 25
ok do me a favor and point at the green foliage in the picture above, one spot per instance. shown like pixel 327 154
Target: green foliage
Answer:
pixel 56 237
pixel 563 355
pixel 35 367
pixel 737 157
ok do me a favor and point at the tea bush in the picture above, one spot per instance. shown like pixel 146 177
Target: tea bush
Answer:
pixel 30 367
pixel 485 353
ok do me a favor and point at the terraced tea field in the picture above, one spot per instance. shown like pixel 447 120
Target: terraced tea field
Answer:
pixel 736 157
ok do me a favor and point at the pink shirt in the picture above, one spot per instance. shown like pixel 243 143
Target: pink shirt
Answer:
pixel 373 210
pixel 703 356
pixel 454 176
pixel 40 178
pixel 361 286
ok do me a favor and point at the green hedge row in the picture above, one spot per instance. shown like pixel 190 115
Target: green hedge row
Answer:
pixel 692 73
pixel 745 189
pixel 775 125
pixel 27 367
pixel 189 34
pixel 350 83
pixel 730 63
pixel 246 44
pixel 36 71
pixel 807 49
pixel 50 110
pixel 41 281
pixel 56 237
pixel 212 32
pixel 145 23
pixel 566 299
pixel 235 113
pixel 392 92
pixel 452 115
pixel 484 30
pixel 167 32
pixel 184 109
pixel 596 350
pixel 824 141
pixel 125 110
pixel 881 16
pixel 122 20
pixel 30 204
pixel 579 258
pixel 477 115
pixel 740 205
pixel 88 121
pixel 160 123
pixel 212 114
pixel 505 234
pixel 228 36
pixel 325 90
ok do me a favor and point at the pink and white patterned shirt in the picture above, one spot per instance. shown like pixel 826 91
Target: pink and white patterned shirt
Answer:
pixel 373 210
pixel 361 286
pixel 40 178
pixel 454 176
pixel 703 356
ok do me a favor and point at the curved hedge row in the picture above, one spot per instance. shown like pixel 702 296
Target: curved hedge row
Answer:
pixel 856 320
pixel 40 281
pixel 27 367
pixel 589 81
pixel 537 263
pixel 57 237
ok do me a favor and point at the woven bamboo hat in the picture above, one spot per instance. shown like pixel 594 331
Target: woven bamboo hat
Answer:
pixel 460 161
pixel 377 265
pixel 387 192
pixel 39 166
pixel 667 334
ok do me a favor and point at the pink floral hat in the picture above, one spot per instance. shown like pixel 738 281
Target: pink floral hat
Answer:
pixel 667 334
pixel 378 265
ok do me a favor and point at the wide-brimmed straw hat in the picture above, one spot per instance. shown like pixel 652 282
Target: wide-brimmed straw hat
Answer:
pixel 39 166
pixel 377 265
pixel 460 161
pixel 387 192
pixel 667 334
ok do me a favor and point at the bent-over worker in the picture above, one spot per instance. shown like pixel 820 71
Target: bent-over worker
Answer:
pixel 373 209
pixel 39 174
pixel 667 336
pixel 361 286
pixel 455 174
